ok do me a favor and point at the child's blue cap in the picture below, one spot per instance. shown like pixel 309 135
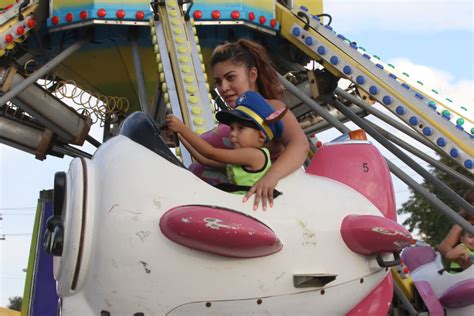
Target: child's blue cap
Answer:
pixel 252 107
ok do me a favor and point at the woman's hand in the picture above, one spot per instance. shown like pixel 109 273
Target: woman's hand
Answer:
pixel 174 124
pixel 263 191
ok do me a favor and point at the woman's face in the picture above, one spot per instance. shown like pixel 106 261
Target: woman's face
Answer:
pixel 233 79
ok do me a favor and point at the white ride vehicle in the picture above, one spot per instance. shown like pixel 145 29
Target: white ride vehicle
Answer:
pixel 135 233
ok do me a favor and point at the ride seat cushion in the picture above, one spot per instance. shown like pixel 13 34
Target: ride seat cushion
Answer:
pixel 413 257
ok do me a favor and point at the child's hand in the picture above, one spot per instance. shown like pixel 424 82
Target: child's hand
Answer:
pixel 174 124
pixel 460 255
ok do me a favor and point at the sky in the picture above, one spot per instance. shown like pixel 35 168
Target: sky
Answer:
pixel 433 41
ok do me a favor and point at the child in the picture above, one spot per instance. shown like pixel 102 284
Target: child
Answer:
pixel 464 252
pixel 253 123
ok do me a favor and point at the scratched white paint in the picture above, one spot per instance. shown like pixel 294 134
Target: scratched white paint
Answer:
pixel 215 223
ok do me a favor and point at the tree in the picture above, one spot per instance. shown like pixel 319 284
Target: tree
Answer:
pixel 15 303
pixel 432 223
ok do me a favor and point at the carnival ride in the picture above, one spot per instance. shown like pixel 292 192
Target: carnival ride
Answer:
pixel 125 242
pixel 440 289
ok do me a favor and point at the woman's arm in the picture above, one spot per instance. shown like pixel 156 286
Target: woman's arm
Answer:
pixel 292 158
pixel 450 241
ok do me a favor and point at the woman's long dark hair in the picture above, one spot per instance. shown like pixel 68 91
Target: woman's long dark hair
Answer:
pixel 251 54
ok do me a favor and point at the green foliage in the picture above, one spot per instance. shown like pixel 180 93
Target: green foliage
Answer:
pixel 431 223
pixel 15 303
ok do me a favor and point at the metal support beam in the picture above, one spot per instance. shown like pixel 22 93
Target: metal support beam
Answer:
pixel 423 156
pixel 42 71
pixel 431 198
pixel 313 104
pixel 459 201
pixel 393 168
pixel 142 95
pixel 404 300
pixel 387 119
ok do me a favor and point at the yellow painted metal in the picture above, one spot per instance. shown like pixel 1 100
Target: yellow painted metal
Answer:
pixel 314 6
pixel 57 4
pixel 406 284
pixel 4 3
pixel 37 9
pixel 31 9
pixel 287 19
pixel 110 71
pixel 264 5
pixel 8 312
pixel 177 37
pixel 27 291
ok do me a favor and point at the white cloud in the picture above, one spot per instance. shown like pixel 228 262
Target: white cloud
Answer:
pixel 460 91
pixel 415 16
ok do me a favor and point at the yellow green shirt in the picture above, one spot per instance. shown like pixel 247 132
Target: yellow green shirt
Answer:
pixel 240 176
pixel 454 266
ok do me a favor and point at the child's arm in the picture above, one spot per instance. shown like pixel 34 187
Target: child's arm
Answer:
pixel 249 157
pixel 461 255
pixel 200 158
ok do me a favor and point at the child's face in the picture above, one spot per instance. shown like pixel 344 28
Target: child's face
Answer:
pixel 243 136
pixel 468 240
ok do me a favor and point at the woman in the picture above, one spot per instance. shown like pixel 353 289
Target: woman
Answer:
pixel 448 248
pixel 245 66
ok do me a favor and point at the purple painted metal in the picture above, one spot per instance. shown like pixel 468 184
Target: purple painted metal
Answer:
pixel 219 231
pixel 366 172
pixel 43 299
pixel 429 298
pixel 459 295
pixel 369 234
pixel 413 257
pixel 376 302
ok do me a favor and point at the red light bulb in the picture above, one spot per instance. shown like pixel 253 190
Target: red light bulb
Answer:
pixel 20 30
pixel 101 13
pixel 69 17
pixel 83 15
pixel 8 38
pixel 31 23
pixel 120 14
pixel 197 14
pixel 140 15
pixel 215 14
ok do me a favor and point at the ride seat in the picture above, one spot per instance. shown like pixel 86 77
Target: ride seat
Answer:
pixel 413 257
pixel 141 128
